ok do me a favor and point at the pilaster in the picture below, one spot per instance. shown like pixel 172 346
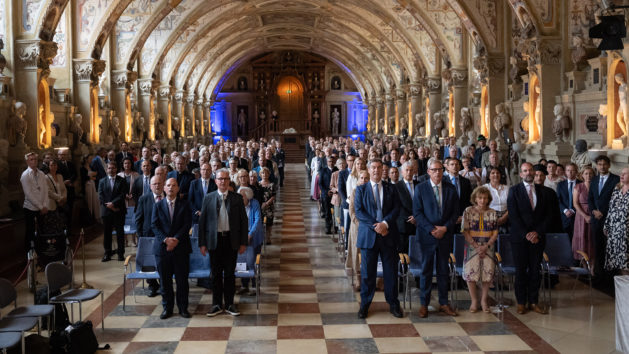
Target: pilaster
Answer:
pixel 86 75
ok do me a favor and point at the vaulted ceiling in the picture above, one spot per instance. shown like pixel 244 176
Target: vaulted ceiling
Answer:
pixel 382 44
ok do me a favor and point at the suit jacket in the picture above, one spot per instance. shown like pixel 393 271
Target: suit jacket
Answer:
pixel 208 220
pixel 243 163
pixel 554 224
pixel 97 165
pixel 280 158
pixel 522 219
pixel 256 228
pixel 406 207
pixel 116 196
pixel 137 166
pixel 428 215
pixel 600 201
pixel 195 196
pixel 68 171
pixel 325 177
pixel 422 167
pixel 564 201
pixel 178 227
pixel 478 156
pixel 466 192
pixel 137 189
pixel 342 186
pixel 183 179
pixel 192 165
pixel 365 210
pixel 144 214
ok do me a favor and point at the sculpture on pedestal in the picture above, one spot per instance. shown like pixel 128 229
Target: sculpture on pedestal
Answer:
pixel 579 53
pixel 502 122
pixel 580 156
pixel 17 125
pixel 188 127
pixel 440 126
pixel 197 126
pixel 561 124
pixel 537 116
pixel 176 127
pixel 77 130
pixel 602 120
pixel 391 129
pixel 242 122
pixel 622 114
pixel 336 122
pixel 381 125
pixel 41 123
pixel 404 126
pixel 466 124
pixel 140 128
pixel 420 125
pixel 115 130
pixel 522 131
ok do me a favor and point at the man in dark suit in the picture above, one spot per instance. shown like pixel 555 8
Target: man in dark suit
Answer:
pixel 143 218
pixel 194 159
pixel 461 184
pixel 342 187
pixel 111 193
pixel 280 160
pixel 325 177
pixel 550 199
pixel 481 148
pixel 199 188
pixel 146 156
pixel 142 184
pixel 183 176
pixel 98 164
pixel 565 191
pixel 223 230
pixel 528 221
pixel 436 209
pixel 600 195
pixel 123 154
pixel 405 220
pixel 377 208
pixel 171 222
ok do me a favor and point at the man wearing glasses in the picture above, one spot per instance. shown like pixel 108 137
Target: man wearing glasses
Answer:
pixel 223 230
pixel 435 209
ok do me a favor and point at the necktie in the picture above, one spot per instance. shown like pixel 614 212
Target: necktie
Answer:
pixel 530 192
pixel 171 209
pixel 601 183
pixel 111 183
pixel 146 185
pixel 410 189
pixel 570 194
pixel 158 199
pixel 437 196
pixel 204 187
pixel 378 206
pixel 455 185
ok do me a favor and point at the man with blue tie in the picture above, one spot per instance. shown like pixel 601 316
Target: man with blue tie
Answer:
pixel 171 222
pixel 199 188
pixel 406 190
pixel 436 209
pixel 377 206
pixel 565 192
pixel 183 177
pixel 111 193
pixel 599 196
pixel 142 185
pixel 462 185
pixel 143 218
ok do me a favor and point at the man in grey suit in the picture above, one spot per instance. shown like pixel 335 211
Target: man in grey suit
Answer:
pixel 223 230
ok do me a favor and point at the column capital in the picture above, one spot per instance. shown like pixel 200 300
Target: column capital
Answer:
pixel 415 89
pixel 165 91
pixel 207 103
pixel 459 77
pixel 89 70
pixel 190 97
pixel 179 94
pixel 35 54
pixel 123 79
pixel 400 94
pixel 146 86
pixel 433 84
pixel 380 100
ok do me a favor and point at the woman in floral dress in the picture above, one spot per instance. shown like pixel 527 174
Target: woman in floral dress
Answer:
pixel 616 227
pixel 480 228
pixel 269 189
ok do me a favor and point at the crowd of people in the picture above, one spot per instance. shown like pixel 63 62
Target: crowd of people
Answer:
pixel 384 191
pixel 225 190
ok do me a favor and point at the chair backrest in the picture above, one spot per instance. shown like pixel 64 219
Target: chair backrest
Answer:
pixel 504 248
pixel 197 261
pixel 459 249
pixel 559 250
pixel 7 293
pixel 144 257
pixel 57 276
pixel 414 253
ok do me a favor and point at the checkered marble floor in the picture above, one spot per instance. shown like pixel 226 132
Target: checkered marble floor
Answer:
pixel 307 306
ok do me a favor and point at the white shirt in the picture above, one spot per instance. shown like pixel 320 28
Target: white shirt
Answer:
pixel 56 190
pixel 529 186
pixel 380 195
pixel 498 197
pixel 35 189
pixel 350 186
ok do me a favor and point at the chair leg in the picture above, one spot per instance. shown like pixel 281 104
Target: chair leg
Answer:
pixel 102 310
pixel 23 344
pixel 124 293
pixel 80 311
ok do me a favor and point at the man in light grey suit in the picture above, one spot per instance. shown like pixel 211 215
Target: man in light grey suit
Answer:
pixel 223 230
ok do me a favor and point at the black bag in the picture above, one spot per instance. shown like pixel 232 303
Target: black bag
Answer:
pixel 62 320
pixel 50 247
pixel 81 338
pixel 34 343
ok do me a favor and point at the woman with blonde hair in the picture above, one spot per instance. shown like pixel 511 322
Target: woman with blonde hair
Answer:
pixel 352 264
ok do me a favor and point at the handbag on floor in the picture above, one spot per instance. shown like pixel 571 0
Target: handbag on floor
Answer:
pixel 77 338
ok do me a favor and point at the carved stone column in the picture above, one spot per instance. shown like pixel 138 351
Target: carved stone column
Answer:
pixel 178 110
pixel 459 90
pixel 381 116
pixel 33 58
pixel 401 110
pixel 416 106
pixel 371 115
pixel 434 96
pixel 390 112
pixel 121 83
pixel 86 75
pixel 546 64
pixel 198 117
pixel 493 76
pixel 207 128
pixel 164 108
pixel 145 86
pixel 189 113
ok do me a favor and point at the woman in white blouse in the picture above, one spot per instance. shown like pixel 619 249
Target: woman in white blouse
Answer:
pixel 130 176
pixel 314 168
pixel 470 172
pixel 499 194
pixel 57 197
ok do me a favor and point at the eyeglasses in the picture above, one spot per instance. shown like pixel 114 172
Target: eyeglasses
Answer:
pixel 222 179
pixel 435 169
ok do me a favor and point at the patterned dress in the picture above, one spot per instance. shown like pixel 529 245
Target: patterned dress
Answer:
pixel 481 226
pixel 267 193
pixel 617 228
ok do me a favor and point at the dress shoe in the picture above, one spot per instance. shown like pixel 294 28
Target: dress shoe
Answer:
pixel 538 309
pixel 423 311
pixel 447 310
pixel 362 312
pixel 232 310
pixel 396 311
pixel 165 314
pixel 216 309
pixel 154 292
pixel 242 291
pixel 522 309
pixel 184 314
pixel 121 257
pixel 106 258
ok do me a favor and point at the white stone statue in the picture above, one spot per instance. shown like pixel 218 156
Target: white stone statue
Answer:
pixel 381 125
pixel 538 115
pixel 391 125
pixel 404 125
pixel 466 124
pixel 623 110
pixel 141 128
pixel 420 125
pixel 336 122
pixel 522 131
pixel 502 121
pixel 561 124
pixel 17 125
pixel 262 116
pixel 188 126
pixel 176 127
pixel 242 121
pixel 115 129
pixel 77 129
pixel 580 155
pixel 440 125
